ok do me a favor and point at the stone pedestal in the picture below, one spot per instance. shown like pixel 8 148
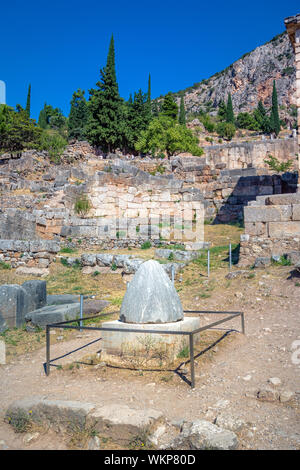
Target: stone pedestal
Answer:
pixel 124 342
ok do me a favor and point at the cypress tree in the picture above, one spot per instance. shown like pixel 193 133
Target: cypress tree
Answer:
pixel 27 109
pixel 169 107
pixel 260 116
pixel 229 110
pixel 78 116
pixel 43 119
pixel 222 111
pixel 274 118
pixel 106 124
pixel 181 118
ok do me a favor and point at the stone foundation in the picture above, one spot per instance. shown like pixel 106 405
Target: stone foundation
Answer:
pixel 36 253
pixel 123 343
pixel 272 228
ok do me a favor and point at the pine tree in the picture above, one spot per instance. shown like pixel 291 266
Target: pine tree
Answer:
pixel 27 109
pixel 155 109
pixel 78 116
pixel 149 107
pixel 137 119
pixel 106 124
pixel 169 107
pixel 274 118
pixel 181 118
pixel 229 110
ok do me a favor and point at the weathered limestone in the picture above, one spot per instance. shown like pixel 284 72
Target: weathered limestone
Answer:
pixel 26 253
pixel 150 303
pixel 151 297
pixel 53 314
pixel 126 343
pixel 16 301
pixel 2 350
pixel 292 24
pixel 272 229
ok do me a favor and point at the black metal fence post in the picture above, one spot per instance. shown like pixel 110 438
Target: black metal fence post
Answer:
pixel 47 349
pixel 243 323
pixel 191 338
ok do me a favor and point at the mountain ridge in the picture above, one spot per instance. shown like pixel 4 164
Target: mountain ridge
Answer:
pixel 248 80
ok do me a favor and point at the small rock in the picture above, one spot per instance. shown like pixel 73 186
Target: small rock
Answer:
pixel 201 434
pixel 3 445
pixel 286 395
pixel 94 443
pixel 30 437
pixel 247 377
pixel 229 422
pixel 268 394
pixel 239 295
pixel 275 381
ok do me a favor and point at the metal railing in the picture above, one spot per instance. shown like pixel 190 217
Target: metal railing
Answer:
pixel 191 334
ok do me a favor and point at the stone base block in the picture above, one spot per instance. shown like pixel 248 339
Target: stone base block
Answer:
pixel 123 342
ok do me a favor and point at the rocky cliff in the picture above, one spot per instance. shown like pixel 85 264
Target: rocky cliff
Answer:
pixel 249 80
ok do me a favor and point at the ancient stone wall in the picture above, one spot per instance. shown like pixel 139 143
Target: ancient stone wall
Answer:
pixel 272 228
pixel 238 155
pixel 37 253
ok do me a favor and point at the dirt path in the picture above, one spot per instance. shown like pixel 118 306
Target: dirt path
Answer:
pixel 226 383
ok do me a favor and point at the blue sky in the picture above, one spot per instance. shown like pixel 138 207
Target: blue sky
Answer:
pixel 60 46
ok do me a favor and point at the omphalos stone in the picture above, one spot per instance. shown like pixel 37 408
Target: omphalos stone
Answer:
pixel 151 297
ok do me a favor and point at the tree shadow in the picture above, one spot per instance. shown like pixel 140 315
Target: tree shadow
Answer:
pixel 248 186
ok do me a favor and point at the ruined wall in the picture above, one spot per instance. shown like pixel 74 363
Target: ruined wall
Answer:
pixel 272 228
pixel 38 253
pixel 251 154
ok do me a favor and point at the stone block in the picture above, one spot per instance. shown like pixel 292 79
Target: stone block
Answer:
pixel 88 260
pixel 283 199
pixel 118 342
pixel 31 271
pixel 15 303
pixel 293 257
pixel 37 291
pixel 268 213
pixel 50 246
pixel 53 314
pixel 256 229
pixel 296 211
pixel 104 259
pixel 284 229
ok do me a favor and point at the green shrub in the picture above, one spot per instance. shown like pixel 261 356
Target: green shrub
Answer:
pixel 66 249
pixel 146 245
pixel 54 143
pixel 4 265
pixel 82 205
pixel 276 165
pixel 226 130
pixel 113 267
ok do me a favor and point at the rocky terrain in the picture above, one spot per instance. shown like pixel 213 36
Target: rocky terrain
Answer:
pixel 247 385
pixel 249 80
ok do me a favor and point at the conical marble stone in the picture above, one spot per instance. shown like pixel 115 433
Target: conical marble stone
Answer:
pixel 151 297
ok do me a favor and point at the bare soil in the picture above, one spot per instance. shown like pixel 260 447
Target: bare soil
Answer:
pixel 229 372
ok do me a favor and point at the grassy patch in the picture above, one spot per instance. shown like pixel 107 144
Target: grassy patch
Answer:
pixel 66 249
pixel 4 265
pixel 146 245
